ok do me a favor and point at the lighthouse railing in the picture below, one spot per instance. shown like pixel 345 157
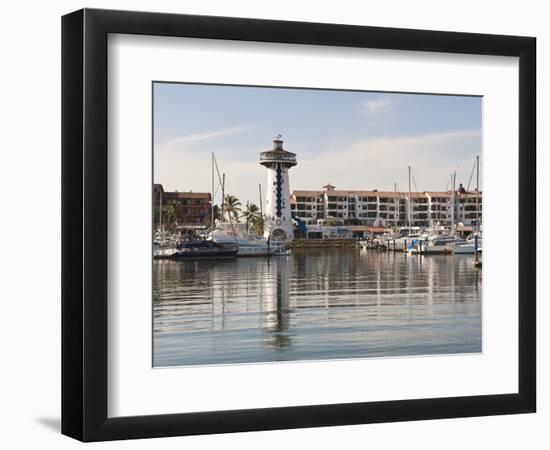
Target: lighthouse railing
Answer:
pixel 267 157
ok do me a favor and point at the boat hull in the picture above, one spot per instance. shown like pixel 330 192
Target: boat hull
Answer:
pixel 433 251
pixel 464 250
pixel 248 248
pixel 204 254
pixel 196 249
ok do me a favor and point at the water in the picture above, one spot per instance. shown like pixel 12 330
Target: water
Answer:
pixel 315 304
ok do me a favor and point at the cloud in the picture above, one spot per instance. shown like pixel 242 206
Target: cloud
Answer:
pixel 376 163
pixel 201 137
pixel 377 105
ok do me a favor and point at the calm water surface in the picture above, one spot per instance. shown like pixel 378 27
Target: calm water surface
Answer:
pixel 315 304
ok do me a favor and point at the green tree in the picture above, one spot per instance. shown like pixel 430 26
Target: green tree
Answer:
pixel 259 226
pixel 252 216
pixel 232 207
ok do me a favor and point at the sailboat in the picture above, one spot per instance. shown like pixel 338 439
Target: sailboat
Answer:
pixel 473 244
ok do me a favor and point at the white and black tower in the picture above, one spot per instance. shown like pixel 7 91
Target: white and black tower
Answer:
pixel 277 219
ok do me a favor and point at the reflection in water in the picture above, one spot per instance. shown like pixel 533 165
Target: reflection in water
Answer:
pixel 278 305
pixel 315 304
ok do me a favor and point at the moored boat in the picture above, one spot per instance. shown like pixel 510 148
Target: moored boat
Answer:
pixel 203 249
pixel 464 248
pixel 164 252
pixel 247 244
pixel 435 245
pixel 468 247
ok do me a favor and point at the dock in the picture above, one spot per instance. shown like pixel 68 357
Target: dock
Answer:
pixel 323 243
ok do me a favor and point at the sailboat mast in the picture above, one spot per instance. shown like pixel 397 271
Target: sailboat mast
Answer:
pixel 160 215
pixel 410 202
pixel 261 206
pixel 212 199
pixel 223 195
pixel 453 195
pixel 477 194
pixel 457 201
pixel 395 205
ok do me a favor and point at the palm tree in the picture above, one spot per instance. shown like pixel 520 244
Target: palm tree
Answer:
pixel 259 225
pixel 232 206
pixel 169 215
pixel 252 216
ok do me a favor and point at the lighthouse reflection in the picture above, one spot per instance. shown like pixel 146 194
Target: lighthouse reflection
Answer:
pixel 276 304
pixel 314 304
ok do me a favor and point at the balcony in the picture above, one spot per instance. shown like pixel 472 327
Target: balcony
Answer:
pixel 278 156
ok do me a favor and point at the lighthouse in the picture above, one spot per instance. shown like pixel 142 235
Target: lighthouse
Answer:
pixel 277 219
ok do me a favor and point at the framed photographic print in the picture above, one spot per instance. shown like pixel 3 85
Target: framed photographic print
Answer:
pixel 273 224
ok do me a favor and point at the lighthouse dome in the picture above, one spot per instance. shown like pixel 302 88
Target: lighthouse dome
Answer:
pixel 278 155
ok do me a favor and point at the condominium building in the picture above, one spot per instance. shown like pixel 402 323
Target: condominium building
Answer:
pixel 183 208
pixel 385 208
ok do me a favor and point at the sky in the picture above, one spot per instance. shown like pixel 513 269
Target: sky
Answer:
pixel 355 140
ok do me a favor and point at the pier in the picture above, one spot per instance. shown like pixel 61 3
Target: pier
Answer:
pixel 323 243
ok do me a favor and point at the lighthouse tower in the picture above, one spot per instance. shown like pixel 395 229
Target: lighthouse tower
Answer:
pixel 277 219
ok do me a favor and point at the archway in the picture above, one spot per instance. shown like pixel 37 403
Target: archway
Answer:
pixel 278 235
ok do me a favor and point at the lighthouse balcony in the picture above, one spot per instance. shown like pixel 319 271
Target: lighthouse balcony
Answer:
pixel 278 156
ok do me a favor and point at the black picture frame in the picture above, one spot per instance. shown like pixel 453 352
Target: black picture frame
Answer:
pixel 84 224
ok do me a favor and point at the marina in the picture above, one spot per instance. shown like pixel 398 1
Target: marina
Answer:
pixel 271 262
pixel 393 221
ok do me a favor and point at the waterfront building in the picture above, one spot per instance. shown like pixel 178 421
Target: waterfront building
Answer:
pixel 440 207
pixel 277 212
pixel 418 209
pixel 385 208
pixel 374 208
pixel 187 209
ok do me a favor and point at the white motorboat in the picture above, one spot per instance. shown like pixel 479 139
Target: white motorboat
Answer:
pixel 435 245
pixel 405 243
pixel 467 247
pixel 161 252
pixel 248 244
pixel 402 239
